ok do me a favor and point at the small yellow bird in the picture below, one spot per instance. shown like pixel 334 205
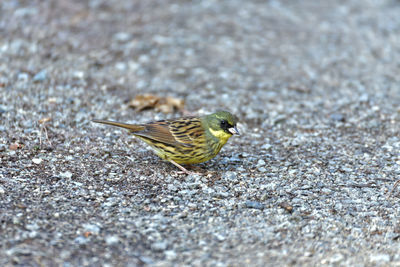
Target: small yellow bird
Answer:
pixel 187 140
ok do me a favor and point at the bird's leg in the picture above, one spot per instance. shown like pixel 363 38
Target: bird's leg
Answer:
pixel 179 166
pixel 184 170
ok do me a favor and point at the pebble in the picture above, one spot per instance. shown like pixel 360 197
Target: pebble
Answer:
pixel 37 160
pixel 40 76
pixel 32 226
pixel 262 169
pixel 220 237
pixel 260 163
pixel 338 117
pixel 112 240
pixel 230 176
pixel 93 228
pixel 221 194
pixel 336 258
pixel 122 37
pixel 159 246
pixel 146 260
pixel 23 76
pixel 81 240
pixel 78 75
pixel 66 174
pixel 254 205
pixel 170 255
pixel 379 258
pixel 266 146
pixel 172 188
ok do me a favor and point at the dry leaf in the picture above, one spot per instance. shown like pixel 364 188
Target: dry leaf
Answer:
pixel 169 104
pixel 141 102
pixel 163 104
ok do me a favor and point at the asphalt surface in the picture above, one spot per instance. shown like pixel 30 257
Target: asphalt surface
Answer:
pixel 315 84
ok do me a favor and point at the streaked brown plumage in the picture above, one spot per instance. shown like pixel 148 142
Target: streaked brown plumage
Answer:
pixel 186 140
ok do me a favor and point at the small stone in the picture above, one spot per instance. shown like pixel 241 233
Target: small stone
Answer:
pixel 221 194
pixel 93 228
pixel 254 205
pixel 346 169
pixel 326 191
pixel 121 66
pixel 32 226
pixel 170 254
pixel 159 246
pixel 379 258
pixel 2 191
pixel 112 240
pixel 122 37
pixel 184 192
pixel 37 160
pixel 279 119
pixel 40 76
pixel 338 117
pixel 260 163
pixel 66 174
pixel 230 176
pixel 262 169
pixel 78 74
pixel 335 258
pixel 33 234
pixel 195 185
pixel 81 240
pixel 172 188
pixel 266 146
pixel 220 237
pixel 23 76
pixel 364 98
pixel 146 260
pixel 192 177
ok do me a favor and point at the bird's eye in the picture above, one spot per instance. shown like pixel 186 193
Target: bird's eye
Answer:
pixel 224 124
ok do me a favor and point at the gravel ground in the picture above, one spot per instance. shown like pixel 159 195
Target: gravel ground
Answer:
pixel 315 84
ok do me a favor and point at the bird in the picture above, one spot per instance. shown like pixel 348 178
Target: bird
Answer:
pixel 186 140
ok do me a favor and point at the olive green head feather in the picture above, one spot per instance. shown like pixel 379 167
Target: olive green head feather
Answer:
pixel 223 123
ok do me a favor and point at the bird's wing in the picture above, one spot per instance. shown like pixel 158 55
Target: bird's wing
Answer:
pixel 176 132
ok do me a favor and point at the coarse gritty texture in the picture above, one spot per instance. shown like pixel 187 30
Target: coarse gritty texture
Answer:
pixel 316 87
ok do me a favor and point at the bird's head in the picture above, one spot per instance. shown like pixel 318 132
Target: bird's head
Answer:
pixel 222 125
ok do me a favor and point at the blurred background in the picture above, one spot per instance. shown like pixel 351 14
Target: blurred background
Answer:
pixel 255 58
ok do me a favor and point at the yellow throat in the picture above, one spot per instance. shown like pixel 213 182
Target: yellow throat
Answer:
pixel 221 135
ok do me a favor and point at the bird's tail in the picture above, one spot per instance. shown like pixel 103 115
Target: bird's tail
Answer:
pixel 132 127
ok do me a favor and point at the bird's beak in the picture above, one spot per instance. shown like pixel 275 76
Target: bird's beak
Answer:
pixel 233 130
